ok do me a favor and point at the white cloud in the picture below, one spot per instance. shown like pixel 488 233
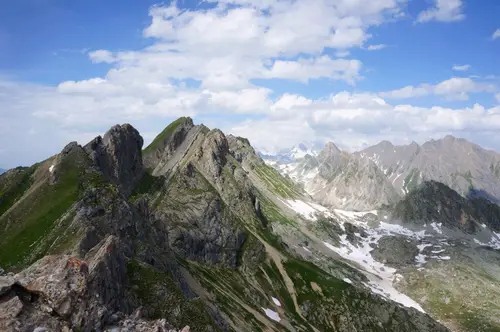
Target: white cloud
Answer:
pixel 215 54
pixel 324 66
pixel 376 47
pixel 496 34
pixel 244 101
pixel 342 53
pixel 443 11
pixel 356 120
pixel 101 56
pixel 227 47
pixel 453 88
pixel 211 63
pixel 461 67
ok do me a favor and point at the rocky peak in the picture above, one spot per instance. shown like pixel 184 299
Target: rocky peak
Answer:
pixel 118 155
pixel 448 141
pixel 167 142
pixel 385 145
pixel 449 138
pixel 329 150
pixel 214 152
pixel 242 150
pixel 69 147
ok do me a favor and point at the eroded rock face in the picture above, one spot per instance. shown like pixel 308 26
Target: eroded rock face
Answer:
pixel 168 144
pixel 76 291
pixel 118 155
pixel 214 153
pixel 200 227
pixel 10 308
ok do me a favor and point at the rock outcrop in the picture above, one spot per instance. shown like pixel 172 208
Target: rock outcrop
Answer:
pixel 435 202
pixel 118 155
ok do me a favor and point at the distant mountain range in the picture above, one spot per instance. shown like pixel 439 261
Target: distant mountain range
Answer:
pixel 296 152
pixel 383 173
pixel 2 170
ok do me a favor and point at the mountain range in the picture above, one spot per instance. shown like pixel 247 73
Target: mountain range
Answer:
pixel 296 152
pixel 2 170
pixel 197 232
pixel 384 173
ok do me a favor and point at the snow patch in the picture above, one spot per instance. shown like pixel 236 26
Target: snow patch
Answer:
pixel 494 241
pixel 270 162
pixel 272 314
pixel 420 259
pixel 347 280
pixel 380 276
pixel 305 248
pixel 396 178
pixel 51 169
pixel 437 227
pixel 276 301
pixel 304 209
pixel 353 214
pixel 479 242
pixel 307 209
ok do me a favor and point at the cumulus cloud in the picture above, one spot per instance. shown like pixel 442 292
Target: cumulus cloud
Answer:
pixel 453 88
pixel 322 67
pixel 461 67
pixel 443 11
pixel 99 56
pixel 356 120
pixel 217 63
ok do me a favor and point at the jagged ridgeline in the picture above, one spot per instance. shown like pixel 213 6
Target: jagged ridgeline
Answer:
pixel 184 232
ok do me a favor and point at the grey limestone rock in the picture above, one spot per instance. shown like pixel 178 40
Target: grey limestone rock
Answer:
pixel 118 155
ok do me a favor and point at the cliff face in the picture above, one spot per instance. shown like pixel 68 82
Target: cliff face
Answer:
pixel 435 202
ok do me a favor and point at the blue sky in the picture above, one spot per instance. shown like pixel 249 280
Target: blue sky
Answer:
pixel 354 72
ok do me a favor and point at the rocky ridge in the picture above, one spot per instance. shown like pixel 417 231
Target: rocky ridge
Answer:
pixel 193 230
pixel 463 166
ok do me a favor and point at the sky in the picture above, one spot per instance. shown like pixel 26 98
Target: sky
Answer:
pixel 278 72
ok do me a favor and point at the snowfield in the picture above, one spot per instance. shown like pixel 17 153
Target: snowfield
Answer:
pixel 307 210
pixel 272 314
pixel 381 277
